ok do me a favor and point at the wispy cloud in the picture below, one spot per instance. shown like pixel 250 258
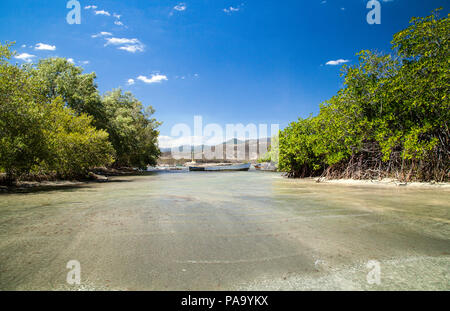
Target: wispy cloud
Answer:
pixel 337 62
pixel 125 44
pixel 155 78
pixel 189 76
pixel 117 21
pixel 45 47
pixel 232 9
pixel 130 81
pixel 132 48
pixel 102 34
pixel 180 7
pixel 102 12
pixel 106 13
pixel 120 41
pixel 25 57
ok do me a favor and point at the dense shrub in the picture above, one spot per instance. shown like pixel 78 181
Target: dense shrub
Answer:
pixel 53 121
pixel 390 119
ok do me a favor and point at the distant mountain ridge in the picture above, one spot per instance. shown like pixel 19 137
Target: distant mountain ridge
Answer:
pixel 235 141
pixel 262 144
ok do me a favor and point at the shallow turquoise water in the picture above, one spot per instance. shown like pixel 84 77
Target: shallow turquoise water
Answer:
pixel 214 231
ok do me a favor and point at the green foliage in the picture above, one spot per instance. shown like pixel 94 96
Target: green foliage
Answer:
pixel 74 144
pixel 296 149
pixel 22 118
pixel 391 116
pixel 60 78
pixel 422 87
pixel 272 155
pixel 53 121
pixel 132 130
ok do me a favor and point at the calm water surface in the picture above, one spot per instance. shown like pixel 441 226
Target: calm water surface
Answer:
pixel 221 231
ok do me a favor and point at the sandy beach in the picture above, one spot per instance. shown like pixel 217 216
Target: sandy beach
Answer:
pixel 387 182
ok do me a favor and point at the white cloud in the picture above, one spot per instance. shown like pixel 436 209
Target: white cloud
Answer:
pixel 85 62
pixel 130 81
pixel 70 60
pixel 121 41
pixel 102 12
pixel 232 9
pixel 101 34
pixel 156 78
pixel 117 16
pixel 337 62
pixel 45 47
pixel 25 57
pixel 180 7
pixel 129 45
pixel 118 23
pixel 90 7
pixel 24 46
pixel 132 48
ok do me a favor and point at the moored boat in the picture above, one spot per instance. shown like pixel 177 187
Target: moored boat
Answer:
pixel 221 168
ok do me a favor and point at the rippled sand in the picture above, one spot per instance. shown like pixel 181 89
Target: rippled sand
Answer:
pixel 219 231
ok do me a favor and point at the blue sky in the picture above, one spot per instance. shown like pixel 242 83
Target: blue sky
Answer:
pixel 228 61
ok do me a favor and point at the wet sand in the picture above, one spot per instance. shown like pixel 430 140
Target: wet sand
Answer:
pixel 225 231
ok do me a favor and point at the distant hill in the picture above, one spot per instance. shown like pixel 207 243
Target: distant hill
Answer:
pixel 233 141
pixel 248 150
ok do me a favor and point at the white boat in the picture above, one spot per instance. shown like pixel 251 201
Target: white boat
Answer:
pixel 221 168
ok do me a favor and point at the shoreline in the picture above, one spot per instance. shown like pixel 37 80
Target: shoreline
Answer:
pixel 386 182
pixel 98 175
pixel 102 176
pixel 30 186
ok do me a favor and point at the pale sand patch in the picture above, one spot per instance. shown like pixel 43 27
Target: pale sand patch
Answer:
pixel 388 182
pixel 408 273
